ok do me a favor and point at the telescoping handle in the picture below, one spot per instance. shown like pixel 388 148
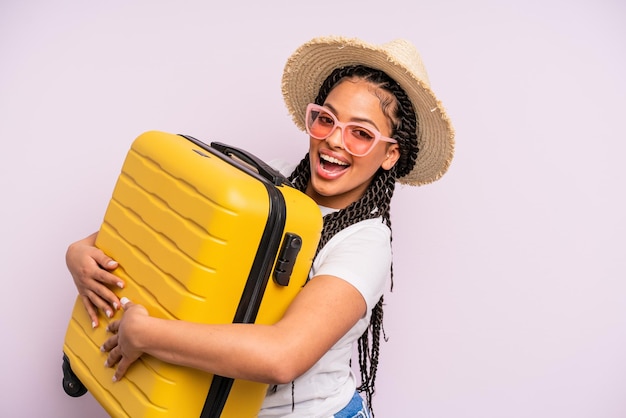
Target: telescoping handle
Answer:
pixel 256 163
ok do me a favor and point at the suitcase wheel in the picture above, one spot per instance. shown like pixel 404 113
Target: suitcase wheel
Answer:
pixel 71 384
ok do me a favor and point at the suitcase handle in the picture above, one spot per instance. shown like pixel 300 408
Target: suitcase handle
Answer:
pixel 259 165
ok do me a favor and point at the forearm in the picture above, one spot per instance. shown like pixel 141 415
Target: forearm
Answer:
pixel 240 351
pixel 319 316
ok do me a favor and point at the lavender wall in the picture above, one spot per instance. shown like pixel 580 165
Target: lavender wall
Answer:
pixel 509 272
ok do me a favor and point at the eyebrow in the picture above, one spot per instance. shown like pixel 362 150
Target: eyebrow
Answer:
pixel 332 109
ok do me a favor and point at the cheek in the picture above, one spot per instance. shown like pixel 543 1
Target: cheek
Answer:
pixel 378 156
pixel 368 165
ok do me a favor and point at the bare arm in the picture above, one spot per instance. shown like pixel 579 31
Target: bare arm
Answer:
pixel 325 310
pixel 90 269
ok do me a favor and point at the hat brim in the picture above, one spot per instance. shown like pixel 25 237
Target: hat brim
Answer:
pixel 310 65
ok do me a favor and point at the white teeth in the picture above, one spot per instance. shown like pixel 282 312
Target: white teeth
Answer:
pixel 332 159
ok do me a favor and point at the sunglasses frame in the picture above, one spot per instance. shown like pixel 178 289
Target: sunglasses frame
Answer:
pixel 311 107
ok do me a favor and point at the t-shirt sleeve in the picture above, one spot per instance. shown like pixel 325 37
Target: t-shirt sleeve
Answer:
pixel 360 255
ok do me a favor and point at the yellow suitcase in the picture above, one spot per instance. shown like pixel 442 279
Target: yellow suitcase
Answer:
pixel 203 233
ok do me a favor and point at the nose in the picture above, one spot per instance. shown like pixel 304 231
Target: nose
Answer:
pixel 335 139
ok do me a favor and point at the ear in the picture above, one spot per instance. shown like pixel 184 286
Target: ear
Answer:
pixel 391 157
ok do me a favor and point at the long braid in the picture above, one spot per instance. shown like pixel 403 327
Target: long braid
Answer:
pixel 375 202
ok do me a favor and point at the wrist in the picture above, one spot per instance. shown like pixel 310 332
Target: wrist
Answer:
pixel 136 328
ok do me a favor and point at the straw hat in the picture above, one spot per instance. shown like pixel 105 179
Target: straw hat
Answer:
pixel 310 64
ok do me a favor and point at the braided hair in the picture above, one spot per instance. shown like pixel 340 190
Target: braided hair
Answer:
pixel 376 200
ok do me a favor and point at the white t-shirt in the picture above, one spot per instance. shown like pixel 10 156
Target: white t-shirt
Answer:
pixel 360 255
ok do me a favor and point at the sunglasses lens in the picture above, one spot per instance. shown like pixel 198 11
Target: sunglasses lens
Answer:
pixel 319 123
pixel 358 139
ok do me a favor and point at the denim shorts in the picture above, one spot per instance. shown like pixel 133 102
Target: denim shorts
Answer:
pixel 356 408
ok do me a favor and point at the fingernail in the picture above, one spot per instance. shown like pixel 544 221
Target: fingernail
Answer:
pixel 115 306
pixel 124 300
pixel 114 379
pixel 94 324
pixel 102 350
pixel 108 313
pixel 120 285
pixel 106 363
pixel 111 263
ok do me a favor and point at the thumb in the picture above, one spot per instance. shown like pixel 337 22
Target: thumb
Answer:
pixel 126 303
pixel 105 261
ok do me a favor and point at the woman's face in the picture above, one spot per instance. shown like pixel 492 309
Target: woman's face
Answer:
pixel 337 177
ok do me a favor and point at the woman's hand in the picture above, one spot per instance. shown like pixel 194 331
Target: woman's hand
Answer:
pixel 91 271
pixel 121 346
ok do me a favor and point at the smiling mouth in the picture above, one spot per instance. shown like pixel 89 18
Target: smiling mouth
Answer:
pixel 331 164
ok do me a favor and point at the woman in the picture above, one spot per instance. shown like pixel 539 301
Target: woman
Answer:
pixel 372 120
